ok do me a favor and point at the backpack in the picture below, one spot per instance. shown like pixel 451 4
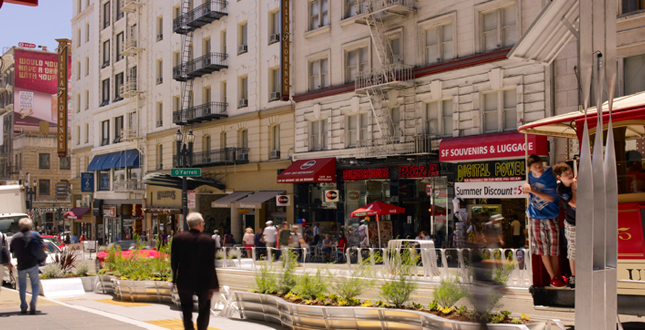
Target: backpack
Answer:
pixel 37 247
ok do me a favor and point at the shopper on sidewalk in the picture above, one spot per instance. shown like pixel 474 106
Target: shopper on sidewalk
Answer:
pixel 5 257
pixel 28 248
pixel 192 259
pixel 270 233
pixel 249 241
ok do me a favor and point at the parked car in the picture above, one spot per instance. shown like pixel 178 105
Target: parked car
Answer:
pixel 126 247
pixel 54 240
pixel 51 250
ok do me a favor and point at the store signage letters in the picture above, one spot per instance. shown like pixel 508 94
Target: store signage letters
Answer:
pixel 368 173
pixel 285 41
pixel 166 194
pixel 282 200
pixel 489 190
pixel 512 170
pixel 492 146
pixel 331 196
pixel 63 56
pixel 418 171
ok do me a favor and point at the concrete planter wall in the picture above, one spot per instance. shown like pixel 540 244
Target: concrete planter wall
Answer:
pixel 104 284
pixel 59 287
pixel 272 309
pixel 89 283
pixel 150 291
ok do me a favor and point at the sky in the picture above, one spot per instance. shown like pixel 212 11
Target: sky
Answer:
pixel 40 25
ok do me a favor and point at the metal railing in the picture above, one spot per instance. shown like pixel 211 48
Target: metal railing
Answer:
pixel 219 7
pixel 209 62
pixel 389 74
pixel 364 7
pixel 388 146
pixel 230 155
pixel 203 112
pixel 129 185
pixel 129 88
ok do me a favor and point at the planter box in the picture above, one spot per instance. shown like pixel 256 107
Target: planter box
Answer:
pixel 89 283
pixel 222 263
pixel 103 284
pixel 59 287
pixel 145 291
pixel 272 309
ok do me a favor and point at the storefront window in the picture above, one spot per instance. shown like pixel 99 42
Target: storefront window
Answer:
pixel 359 194
pixel 103 180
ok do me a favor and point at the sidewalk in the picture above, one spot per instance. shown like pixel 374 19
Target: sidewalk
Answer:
pixel 100 311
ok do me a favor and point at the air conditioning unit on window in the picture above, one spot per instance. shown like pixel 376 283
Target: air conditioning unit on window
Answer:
pixel 160 166
pixel 242 156
pixel 242 49
pixel 274 38
pixel 243 103
pixel 159 123
pixel 274 96
pixel 159 80
pixel 275 154
pixel 207 160
pixel 159 37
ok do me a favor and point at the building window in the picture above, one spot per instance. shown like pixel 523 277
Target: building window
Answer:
pixel 223 93
pixel 318 14
pixel 222 140
pixel 206 46
pixel 634 73
pixel 65 163
pixel 119 46
pixel 500 111
pixel 160 156
pixel 87 32
pixel 243 40
pixel 103 178
pixel 106 54
pixel 357 61
pixel 244 92
pixel 159 71
pixel 274 84
pixel 356 130
pixel 206 95
pixel 439 45
pixel 350 8
pixel 87 66
pixel 395 48
pixel 439 118
pixel 243 141
pixel 222 46
pixel 632 5
pixel 159 28
pixel 395 127
pixel 275 137
pixel 43 187
pixel 87 133
pixel 119 13
pixel 106 14
pixel 118 129
pixel 274 27
pixel 318 138
pixel 78 38
pixel 176 103
pixel 118 83
pixel 78 102
pixel 318 74
pixel 159 114
pixel 78 135
pixel 43 161
pixel 105 132
pixel 498 28
pixel 87 99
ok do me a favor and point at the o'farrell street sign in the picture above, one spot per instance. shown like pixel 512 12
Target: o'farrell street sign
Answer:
pixel 186 172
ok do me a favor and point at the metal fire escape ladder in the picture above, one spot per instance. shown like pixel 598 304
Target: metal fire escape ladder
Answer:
pixel 381 42
pixel 186 58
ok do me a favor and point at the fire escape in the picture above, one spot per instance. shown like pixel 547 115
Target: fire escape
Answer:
pixel 392 74
pixel 131 47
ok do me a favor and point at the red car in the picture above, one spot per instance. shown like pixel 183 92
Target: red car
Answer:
pixel 54 240
pixel 126 251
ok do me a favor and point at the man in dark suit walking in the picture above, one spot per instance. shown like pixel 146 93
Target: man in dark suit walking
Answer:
pixel 192 259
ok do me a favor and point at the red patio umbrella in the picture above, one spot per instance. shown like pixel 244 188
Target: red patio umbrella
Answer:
pixel 377 208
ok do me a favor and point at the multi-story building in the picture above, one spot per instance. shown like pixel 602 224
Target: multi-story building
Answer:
pixel 28 141
pixel 406 94
pixel 154 67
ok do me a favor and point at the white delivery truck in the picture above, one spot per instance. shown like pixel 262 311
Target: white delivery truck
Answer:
pixel 13 207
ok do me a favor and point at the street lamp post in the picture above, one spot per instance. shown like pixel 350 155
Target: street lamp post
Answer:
pixel 31 194
pixel 184 159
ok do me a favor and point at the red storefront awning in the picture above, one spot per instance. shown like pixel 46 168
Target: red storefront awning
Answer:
pixel 310 170
pixel 493 146
pixel 20 2
pixel 76 213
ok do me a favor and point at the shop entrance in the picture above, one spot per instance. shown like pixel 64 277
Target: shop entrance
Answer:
pixel 427 203
pixel 113 229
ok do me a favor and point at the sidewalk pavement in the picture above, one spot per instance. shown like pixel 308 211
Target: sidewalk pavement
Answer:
pixel 101 312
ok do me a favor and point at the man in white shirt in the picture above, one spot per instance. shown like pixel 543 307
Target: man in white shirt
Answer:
pixel 269 236
pixel 217 239
pixel 316 234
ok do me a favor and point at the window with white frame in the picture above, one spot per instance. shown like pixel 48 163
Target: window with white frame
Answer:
pixel 206 144
pixel 500 111
pixel 206 95
pixel 118 129
pixel 78 38
pixel 243 139
pixel 159 71
pixel 78 102
pixel 351 8
pixel 222 41
pixel 318 13
pixel 357 130
pixel 105 132
pixel 78 135
pixel 356 61
pixel 159 28
pixel 87 32
pixel 629 6
pixel 243 92
pixel 176 103
pixel 274 27
pixel 106 14
pixel 105 92
pixel 118 82
pixel 106 53
pixel 206 46
pixel 160 156
pixel 223 93
pixel 634 73
pixel 222 140
pixel 395 126
pixel 87 133
pixel 395 48
pixel 439 43
pixel 87 99
pixel 498 28
pixel 318 136
pixel 159 114
pixel 318 74
pixel 119 46
pixel 243 39
pixel 275 137
pixel 439 118
pixel 87 66
pixel 274 84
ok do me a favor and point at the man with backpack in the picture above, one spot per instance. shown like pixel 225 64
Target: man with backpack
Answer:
pixel 27 245
pixel 5 258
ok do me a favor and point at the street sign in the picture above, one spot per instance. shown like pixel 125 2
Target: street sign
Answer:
pixel 62 190
pixel 191 199
pixel 186 172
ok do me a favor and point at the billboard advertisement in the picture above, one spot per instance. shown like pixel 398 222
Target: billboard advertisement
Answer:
pixel 32 107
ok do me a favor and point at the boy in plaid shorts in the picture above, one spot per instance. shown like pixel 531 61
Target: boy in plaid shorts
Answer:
pixel 544 210
pixel 567 191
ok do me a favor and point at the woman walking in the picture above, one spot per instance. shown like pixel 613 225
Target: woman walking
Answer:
pixel 249 241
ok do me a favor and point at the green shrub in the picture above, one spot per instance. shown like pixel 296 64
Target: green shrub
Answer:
pixel 448 292
pixel 310 286
pixel 359 280
pixel 137 267
pixel 52 270
pixel 82 268
pixel 266 280
pixel 398 289
pixel 287 275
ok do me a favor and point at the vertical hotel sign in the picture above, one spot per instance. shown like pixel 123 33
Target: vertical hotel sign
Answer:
pixel 63 56
pixel 285 11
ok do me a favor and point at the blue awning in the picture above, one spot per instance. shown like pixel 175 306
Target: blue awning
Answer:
pixel 97 163
pixel 111 160
pixel 129 158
